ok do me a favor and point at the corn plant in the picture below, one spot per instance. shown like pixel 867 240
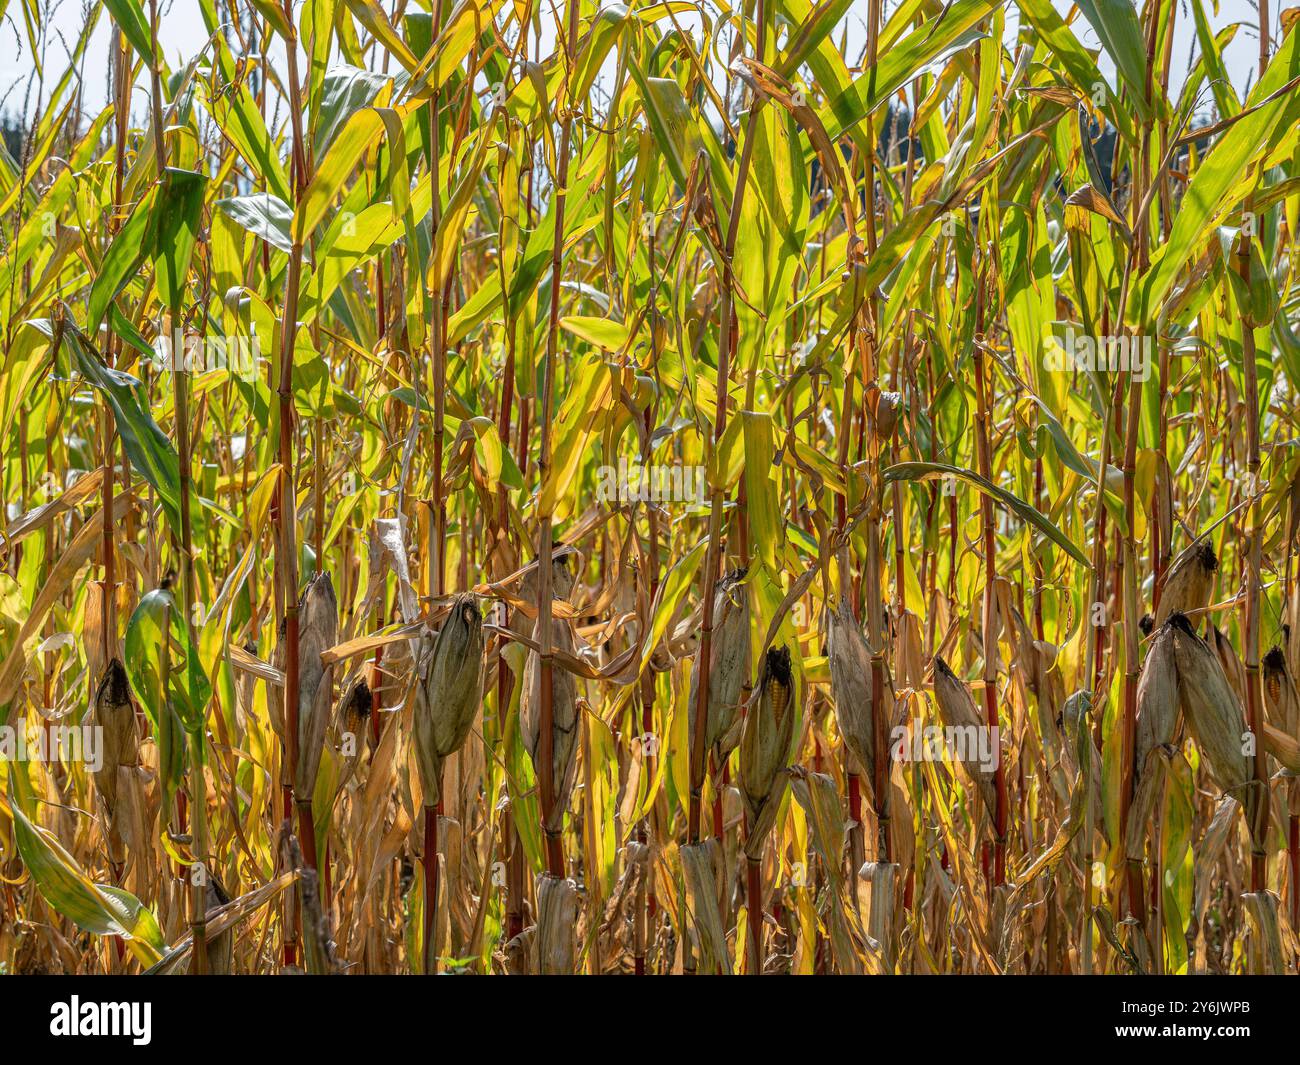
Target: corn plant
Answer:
pixel 664 487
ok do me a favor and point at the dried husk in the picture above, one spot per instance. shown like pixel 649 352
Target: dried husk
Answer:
pixel 565 563
pixel 114 714
pixel 957 710
pixel 1214 842
pixel 1265 916
pixel 850 664
pixel 1214 714
pixel 318 627
pixel 92 629
pixel 1286 749
pixel 819 797
pixel 887 407
pixel 909 656
pixel 517 956
pixel 1292 630
pixel 245 696
pixel 1233 667
pixel 1082 762
pixel 1074 722
pixel 878 882
pixel 275 698
pixel 729 653
pixel 455 910
pixel 1147 790
pixel 221 946
pixel 764 748
pixel 1157 700
pixel 1188 582
pixel 1282 724
pixel 449 693
pixel 557 925
pixel 1157 723
pixel 131 830
pixel 702 864
pixel 564 717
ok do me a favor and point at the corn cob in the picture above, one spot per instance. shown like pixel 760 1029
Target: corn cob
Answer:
pixel 765 746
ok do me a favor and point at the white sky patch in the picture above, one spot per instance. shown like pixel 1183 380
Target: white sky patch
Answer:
pixel 182 34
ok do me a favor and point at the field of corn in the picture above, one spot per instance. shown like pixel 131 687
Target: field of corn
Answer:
pixel 806 486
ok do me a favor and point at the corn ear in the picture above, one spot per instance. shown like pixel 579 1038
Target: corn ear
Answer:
pixel 220 946
pixel 729 654
pixel 449 692
pixel 1157 700
pixel 564 718
pixel 887 407
pixel 566 562
pixel 355 708
pixel 1282 723
pixel 1214 714
pixel 1157 723
pixel 353 722
pixel 1188 582
pixel 703 864
pixel 318 627
pixel 764 748
pixel 850 664
pixel 114 714
pixel 1281 700
pixel 957 710
pixel 557 925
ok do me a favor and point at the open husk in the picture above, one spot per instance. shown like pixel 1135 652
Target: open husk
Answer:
pixel 1281 700
pixel 764 748
pixel 114 714
pixel 449 693
pixel 355 709
pixel 565 563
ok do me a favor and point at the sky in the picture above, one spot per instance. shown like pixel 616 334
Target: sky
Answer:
pixel 182 34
